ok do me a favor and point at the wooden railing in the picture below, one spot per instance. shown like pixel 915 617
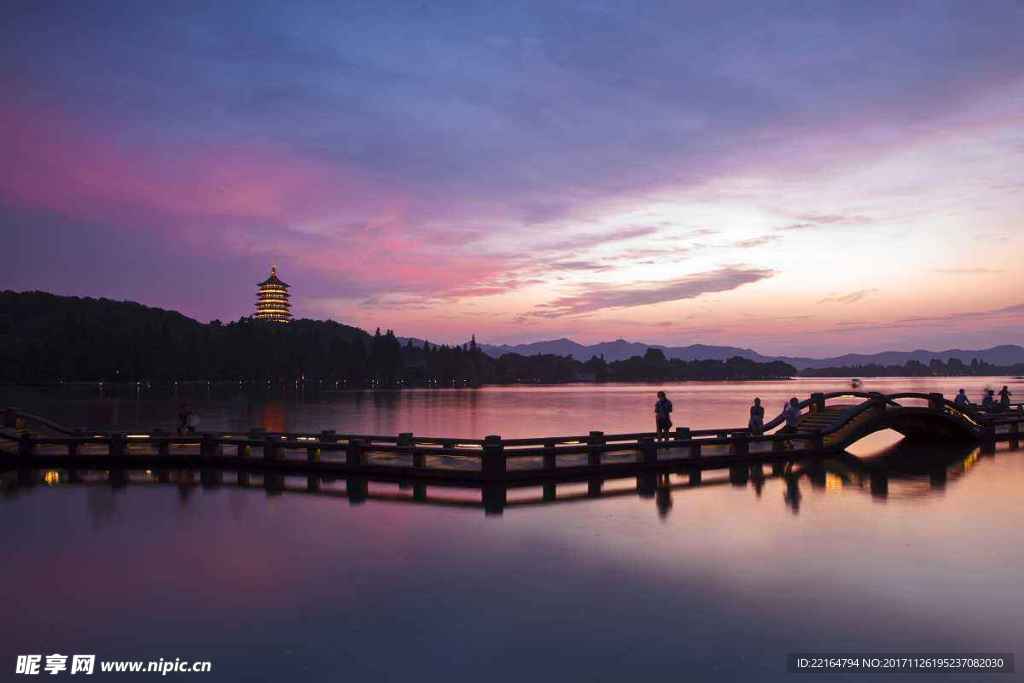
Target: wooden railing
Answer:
pixel 491 458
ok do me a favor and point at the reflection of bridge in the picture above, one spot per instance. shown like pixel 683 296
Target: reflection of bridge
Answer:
pixel 829 423
pixel 911 474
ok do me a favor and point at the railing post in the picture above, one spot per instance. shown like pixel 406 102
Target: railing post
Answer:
pixel 118 444
pixel 549 455
pixel 255 434
pixel 595 441
pixel 26 445
pixel 817 402
pixel 327 436
pixel 160 440
pixel 270 448
pixel 988 438
pixel 648 451
pixel 493 463
pixel 937 402
pixel 740 445
pixel 209 445
pixel 354 452
pixel 408 447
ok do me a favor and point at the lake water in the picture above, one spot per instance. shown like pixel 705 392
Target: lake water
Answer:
pixel 919 551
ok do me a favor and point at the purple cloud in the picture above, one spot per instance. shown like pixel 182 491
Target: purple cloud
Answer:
pixel 602 297
pixel 851 298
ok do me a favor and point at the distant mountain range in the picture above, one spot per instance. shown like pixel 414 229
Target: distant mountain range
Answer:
pixel 620 349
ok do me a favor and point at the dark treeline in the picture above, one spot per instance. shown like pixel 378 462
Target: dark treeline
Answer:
pixel 954 367
pixel 46 338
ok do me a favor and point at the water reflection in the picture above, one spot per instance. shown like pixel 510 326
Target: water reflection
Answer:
pixel 902 470
pixel 299 579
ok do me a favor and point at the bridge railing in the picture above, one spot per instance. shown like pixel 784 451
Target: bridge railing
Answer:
pixel 406 454
pixel 489 456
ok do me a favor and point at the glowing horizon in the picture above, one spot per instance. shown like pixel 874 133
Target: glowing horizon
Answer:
pixel 811 182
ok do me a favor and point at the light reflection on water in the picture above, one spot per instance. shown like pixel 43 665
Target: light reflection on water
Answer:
pixel 909 550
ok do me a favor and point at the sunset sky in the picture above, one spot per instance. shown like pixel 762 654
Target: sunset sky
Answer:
pixel 807 178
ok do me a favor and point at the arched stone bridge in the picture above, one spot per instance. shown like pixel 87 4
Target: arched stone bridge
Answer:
pixel 917 416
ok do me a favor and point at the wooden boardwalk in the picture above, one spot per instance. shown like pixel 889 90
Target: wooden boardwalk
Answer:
pixel 829 423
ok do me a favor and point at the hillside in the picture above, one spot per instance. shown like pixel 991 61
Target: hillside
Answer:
pixel 47 338
pixel 620 349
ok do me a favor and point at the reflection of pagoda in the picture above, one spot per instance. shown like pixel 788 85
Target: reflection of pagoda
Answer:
pixel 273 302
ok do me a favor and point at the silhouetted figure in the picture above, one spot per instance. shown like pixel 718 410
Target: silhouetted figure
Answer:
pixel 756 423
pixel 792 415
pixel 1004 398
pixel 662 413
pixel 989 402
pixel 961 399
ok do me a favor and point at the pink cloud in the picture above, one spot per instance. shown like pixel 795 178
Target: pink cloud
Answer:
pixel 247 198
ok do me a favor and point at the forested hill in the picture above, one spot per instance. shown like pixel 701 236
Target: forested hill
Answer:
pixel 48 338
pixel 44 337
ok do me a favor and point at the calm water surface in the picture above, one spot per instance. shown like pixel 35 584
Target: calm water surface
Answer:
pixel 714 582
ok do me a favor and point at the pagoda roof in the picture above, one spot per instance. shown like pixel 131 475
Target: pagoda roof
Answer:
pixel 274 279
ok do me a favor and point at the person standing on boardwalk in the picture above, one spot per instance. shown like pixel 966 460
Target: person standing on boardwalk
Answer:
pixel 756 423
pixel 1004 398
pixel 662 413
pixel 961 399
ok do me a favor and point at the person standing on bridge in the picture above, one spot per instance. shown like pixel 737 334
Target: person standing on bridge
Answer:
pixel 989 401
pixel 961 399
pixel 792 414
pixel 1004 398
pixel 662 412
pixel 756 424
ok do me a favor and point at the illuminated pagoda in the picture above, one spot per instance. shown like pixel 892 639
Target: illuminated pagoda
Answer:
pixel 273 302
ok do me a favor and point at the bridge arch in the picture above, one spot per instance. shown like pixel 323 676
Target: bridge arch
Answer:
pixel 841 425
